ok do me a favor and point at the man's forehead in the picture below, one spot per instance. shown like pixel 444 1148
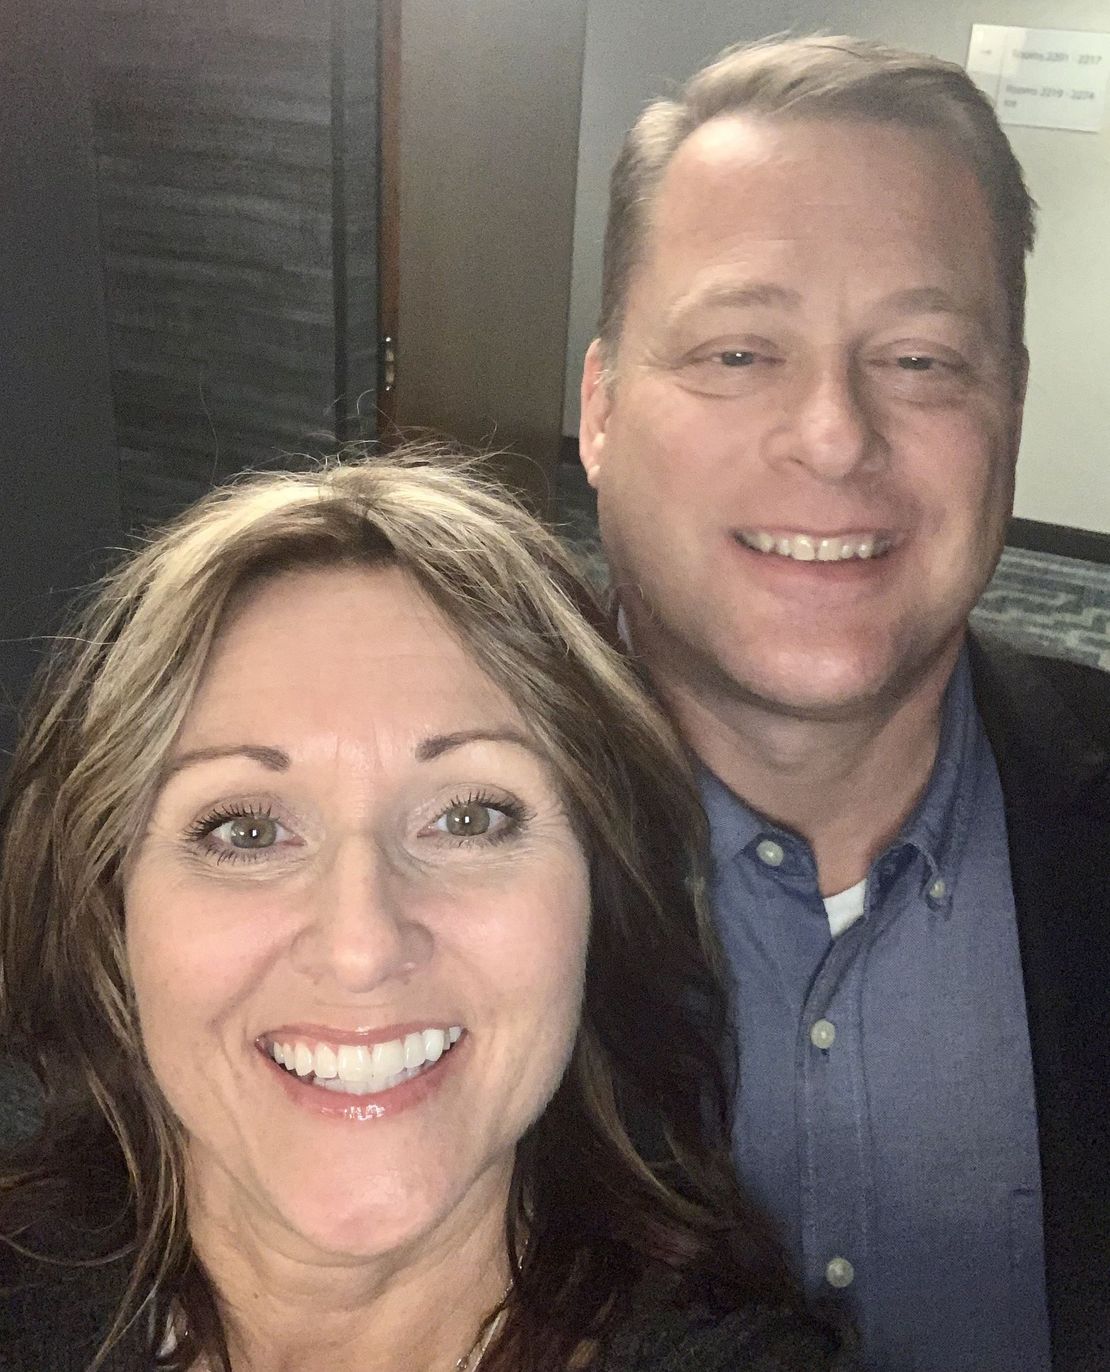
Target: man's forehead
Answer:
pixel 750 165
pixel 741 186
pixel 711 294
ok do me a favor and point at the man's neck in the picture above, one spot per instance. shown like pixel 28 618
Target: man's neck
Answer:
pixel 846 785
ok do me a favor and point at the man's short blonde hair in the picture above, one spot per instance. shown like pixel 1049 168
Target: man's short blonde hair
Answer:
pixel 819 77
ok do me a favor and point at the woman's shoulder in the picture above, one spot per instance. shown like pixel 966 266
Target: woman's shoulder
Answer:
pixel 683 1338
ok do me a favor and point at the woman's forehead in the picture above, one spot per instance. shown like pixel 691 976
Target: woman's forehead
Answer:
pixel 359 657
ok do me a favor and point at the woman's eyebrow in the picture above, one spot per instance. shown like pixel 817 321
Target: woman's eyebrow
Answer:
pixel 437 744
pixel 277 760
pixel 273 759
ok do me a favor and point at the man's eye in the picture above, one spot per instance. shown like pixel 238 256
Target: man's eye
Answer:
pixel 917 362
pixel 736 357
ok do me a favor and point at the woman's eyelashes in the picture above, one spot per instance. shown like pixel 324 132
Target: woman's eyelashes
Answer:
pixel 478 817
pixel 250 831
pixel 242 831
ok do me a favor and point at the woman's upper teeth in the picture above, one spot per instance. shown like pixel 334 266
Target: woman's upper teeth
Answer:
pixel 371 1067
pixel 813 548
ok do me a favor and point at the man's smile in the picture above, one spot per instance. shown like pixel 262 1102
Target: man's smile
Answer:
pixel 811 547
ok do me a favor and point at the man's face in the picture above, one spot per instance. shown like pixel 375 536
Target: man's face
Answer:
pixel 803 450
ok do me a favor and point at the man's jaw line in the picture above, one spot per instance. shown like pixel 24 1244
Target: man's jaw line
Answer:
pixel 722 718
pixel 815 775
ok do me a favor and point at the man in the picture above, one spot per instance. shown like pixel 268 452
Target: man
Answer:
pixel 801 419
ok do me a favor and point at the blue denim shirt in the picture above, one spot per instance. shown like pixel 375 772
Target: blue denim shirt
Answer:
pixel 886 1113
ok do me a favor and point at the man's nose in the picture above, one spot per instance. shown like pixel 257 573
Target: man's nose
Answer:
pixel 362 926
pixel 831 431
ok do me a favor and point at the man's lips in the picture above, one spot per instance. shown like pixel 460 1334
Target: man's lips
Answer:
pixel 851 545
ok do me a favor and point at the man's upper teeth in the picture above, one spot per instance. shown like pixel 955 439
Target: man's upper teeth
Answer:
pixel 807 548
pixel 369 1067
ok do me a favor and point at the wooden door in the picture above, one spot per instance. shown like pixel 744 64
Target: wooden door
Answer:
pixel 486 146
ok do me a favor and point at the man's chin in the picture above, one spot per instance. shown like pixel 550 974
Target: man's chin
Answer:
pixel 824 684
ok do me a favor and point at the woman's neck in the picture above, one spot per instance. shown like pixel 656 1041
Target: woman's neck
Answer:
pixel 287 1308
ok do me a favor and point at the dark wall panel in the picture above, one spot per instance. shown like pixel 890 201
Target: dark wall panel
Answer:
pixel 237 179
pixel 355 202
pixel 188 200
pixel 59 488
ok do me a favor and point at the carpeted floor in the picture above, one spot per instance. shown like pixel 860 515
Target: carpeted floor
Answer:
pixel 1056 606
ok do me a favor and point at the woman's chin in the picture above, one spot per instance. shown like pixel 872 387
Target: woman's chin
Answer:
pixel 340 1228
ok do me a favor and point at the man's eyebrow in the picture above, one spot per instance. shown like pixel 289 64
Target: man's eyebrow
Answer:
pixel 929 300
pixel 437 744
pixel 273 759
pixel 736 296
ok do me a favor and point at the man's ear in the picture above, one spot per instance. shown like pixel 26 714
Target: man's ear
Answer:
pixel 595 413
pixel 1020 383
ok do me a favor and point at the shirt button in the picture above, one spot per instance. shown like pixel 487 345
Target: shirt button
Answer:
pixel 822 1033
pixel 938 890
pixel 839 1272
pixel 769 852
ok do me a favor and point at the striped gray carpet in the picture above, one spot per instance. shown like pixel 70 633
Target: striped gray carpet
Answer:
pixel 1052 605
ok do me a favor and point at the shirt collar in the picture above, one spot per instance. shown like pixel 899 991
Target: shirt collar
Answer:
pixel 939 825
pixel 733 826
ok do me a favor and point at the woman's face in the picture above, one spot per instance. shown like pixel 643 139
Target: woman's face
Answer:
pixel 356 923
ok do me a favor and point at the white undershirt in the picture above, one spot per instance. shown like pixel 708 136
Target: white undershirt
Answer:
pixel 846 907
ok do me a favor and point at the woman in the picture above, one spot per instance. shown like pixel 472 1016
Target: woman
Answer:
pixel 351 921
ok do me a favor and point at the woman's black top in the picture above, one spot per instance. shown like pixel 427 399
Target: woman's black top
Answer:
pixel 52 1319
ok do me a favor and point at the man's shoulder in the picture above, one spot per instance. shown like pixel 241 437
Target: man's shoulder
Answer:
pixel 1058 712
pixel 1084 689
pixel 669 1338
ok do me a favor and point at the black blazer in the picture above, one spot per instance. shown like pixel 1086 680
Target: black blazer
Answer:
pixel 1049 726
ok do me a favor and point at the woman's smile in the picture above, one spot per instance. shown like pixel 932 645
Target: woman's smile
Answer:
pixel 360 1077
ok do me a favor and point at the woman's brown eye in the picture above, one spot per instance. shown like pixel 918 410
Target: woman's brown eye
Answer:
pixel 252 831
pixel 464 820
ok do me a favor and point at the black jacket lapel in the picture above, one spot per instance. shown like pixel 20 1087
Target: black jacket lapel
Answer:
pixel 1049 727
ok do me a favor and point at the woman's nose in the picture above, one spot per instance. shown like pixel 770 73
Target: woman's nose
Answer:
pixel 361 928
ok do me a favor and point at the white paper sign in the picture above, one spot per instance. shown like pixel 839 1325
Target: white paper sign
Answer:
pixel 1050 78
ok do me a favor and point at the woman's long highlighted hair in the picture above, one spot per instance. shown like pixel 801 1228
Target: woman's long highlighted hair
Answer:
pixel 627 1172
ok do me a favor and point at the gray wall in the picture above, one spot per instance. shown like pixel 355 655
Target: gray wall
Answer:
pixel 635 51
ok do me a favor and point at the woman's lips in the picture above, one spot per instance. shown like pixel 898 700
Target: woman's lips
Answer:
pixel 359 1080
